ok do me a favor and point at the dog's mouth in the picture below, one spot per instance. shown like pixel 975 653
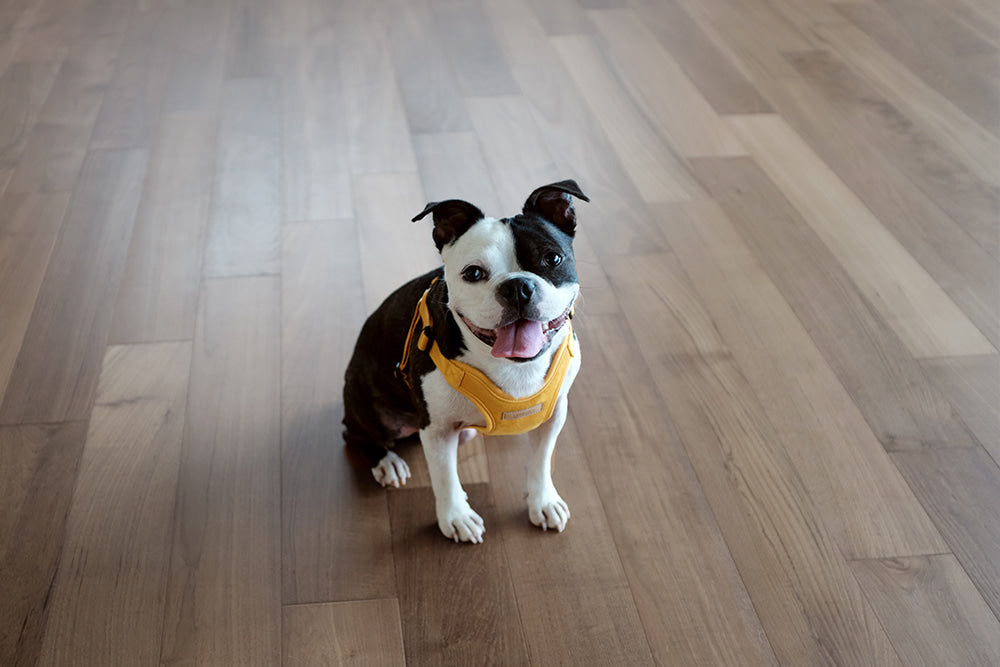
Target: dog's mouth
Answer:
pixel 522 339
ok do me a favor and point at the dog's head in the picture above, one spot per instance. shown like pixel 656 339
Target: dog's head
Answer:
pixel 512 281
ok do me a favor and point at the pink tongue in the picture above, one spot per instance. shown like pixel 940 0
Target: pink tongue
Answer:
pixel 523 338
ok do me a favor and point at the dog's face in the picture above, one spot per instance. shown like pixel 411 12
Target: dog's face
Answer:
pixel 511 282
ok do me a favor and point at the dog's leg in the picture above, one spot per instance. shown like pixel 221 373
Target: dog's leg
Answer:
pixel 546 508
pixel 455 516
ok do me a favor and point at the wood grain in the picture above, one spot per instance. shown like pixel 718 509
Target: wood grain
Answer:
pixel 672 102
pixel 28 231
pixel 959 488
pixel 377 134
pixel 105 606
pixel 899 403
pixel 651 165
pixel 131 105
pixel 633 449
pixel 158 297
pixel 57 369
pixel 433 573
pixel 245 220
pixel 316 171
pixel 971 202
pixel 366 632
pixel 953 624
pixel 870 512
pixel 224 594
pixel 385 205
pixel 803 592
pixel 947 125
pixel 36 487
pixel 430 89
pixel 556 575
pixel 910 301
pixel 452 167
pixel 826 116
pixel 335 521
pixel 973 387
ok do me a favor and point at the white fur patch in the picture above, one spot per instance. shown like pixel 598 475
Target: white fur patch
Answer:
pixel 392 470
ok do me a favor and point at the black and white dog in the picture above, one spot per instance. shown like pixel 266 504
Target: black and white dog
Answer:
pixel 484 343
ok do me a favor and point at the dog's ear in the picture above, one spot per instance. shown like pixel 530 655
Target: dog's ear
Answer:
pixel 452 218
pixel 554 202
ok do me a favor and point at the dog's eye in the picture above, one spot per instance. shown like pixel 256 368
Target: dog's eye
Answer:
pixel 473 274
pixel 552 259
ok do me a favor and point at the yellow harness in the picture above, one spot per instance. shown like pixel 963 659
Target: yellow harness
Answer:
pixel 504 414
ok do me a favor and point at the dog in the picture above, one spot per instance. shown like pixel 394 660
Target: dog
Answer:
pixel 483 343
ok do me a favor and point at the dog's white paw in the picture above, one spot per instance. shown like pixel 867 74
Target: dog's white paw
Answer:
pixel 391 471
pixel 460 522
pixel 547 510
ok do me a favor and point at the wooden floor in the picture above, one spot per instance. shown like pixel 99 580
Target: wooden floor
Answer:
pixel 783 447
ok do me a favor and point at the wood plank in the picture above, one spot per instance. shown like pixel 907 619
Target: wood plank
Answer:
pixel 317 179
pixel 567 134
pixel 335 520
pixel 737 30
pixel 366 632
pixel 933 44
pixel 106 604
pixel 467 37
pixel 921 155
pixel 199 59
pixel 223 602
pixel 385 204
pixel 39 465
pixel 24 87
pixel 430 89
pixel 709 68
pixel 57 369
pixel 806 598
pixel 245 221
pixel 158 298
pixel 959 488
pixel 669 543
pixel 652 166
pixel 29 224
pixel 897 399
pixel 668 97
pixel 54 152
pixel 947 621
pixel 452 167
pixel 912 303
pixel 254 41
pixel 130 110
pixel 562 17
pixel 573 597
pixel 377 131
pixel 867 507
pixel 972 384
pixel 936 115
pixel 456 601
pixel 508 136
pixel 827 118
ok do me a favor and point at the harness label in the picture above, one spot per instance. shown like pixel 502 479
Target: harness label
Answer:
pixel 526 412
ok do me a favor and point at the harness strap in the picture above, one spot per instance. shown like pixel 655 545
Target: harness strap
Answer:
pixel 503 414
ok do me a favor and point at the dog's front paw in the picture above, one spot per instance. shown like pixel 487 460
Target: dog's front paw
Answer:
pixel 460 523
pixel 391 471
pixel 547 510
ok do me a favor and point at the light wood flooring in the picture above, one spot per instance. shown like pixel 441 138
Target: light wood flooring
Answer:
pixel 782 449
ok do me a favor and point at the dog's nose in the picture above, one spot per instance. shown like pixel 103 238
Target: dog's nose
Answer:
pixel 516 291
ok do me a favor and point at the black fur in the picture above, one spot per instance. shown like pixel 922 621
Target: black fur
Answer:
pixel 377 401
